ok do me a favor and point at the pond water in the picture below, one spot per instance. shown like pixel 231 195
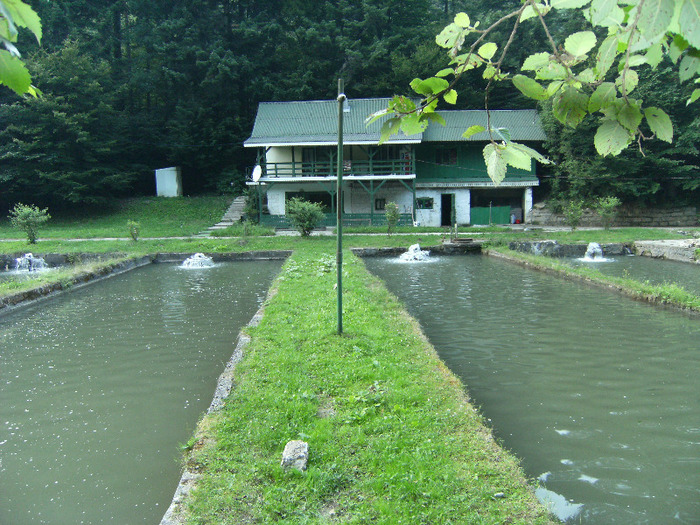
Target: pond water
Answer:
pixel 99 387
pixel 643 269
pixel 596 393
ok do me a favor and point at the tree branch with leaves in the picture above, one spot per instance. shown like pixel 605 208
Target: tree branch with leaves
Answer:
pixel 15 14
pixel 581 76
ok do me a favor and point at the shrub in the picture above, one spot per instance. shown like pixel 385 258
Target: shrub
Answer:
pixel 391 210
pixel 28 219
pixel 134 229
pixel 607 209
pixel 304 215
pixel 573 211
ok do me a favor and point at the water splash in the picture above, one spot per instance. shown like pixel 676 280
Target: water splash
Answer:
pixel 198 260
pixel 594 253
pixel 28 263
pixel 414 253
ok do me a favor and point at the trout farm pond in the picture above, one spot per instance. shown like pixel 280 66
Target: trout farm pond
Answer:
pixel 100 386
pixel 597 394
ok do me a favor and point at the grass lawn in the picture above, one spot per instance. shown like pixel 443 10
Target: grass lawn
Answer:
pixel 157 216
pixel 392 436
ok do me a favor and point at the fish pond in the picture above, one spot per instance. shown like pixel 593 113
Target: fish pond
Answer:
pixel 643 269
pixel 101 385
pixel 596 393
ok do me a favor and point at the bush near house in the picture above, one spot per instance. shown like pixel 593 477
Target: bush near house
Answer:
pixel 304 215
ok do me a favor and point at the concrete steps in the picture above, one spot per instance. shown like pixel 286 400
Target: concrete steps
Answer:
pixel 232 215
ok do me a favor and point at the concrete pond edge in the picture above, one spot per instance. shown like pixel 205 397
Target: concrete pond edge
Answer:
pixel 630 294
pixel 176 512
pixel 110 269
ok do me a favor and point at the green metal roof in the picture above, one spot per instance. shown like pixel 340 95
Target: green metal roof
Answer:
pixel 522 124
pixel 316 123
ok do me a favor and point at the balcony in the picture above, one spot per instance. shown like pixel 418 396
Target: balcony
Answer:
pixel 394 168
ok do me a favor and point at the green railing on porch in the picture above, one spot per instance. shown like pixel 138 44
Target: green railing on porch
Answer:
pixel 349 219
pixel 351 167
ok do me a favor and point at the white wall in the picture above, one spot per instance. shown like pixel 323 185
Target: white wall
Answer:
pixel 434 217
pixel 357 200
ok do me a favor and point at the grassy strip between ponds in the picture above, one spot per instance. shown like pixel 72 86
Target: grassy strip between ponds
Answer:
pixel 669 294
pixel 58 279
pixel 392 436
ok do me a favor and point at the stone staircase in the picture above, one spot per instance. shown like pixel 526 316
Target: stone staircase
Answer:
pixel 231 217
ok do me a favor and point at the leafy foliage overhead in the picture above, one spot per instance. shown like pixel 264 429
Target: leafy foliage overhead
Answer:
pixel 593 71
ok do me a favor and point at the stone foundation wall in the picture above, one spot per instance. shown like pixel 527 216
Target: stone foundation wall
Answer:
pixel 651 217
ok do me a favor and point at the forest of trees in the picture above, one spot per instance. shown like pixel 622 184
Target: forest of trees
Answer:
pixel 134 85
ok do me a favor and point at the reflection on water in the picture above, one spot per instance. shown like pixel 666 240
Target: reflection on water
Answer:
pixel 597 394
pixel 99 386
pixel 643 269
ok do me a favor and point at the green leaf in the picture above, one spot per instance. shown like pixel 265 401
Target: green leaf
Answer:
pixel 429 86
pixel 489 72
pixel 445 72
pixel 689 66
pixel 552 71
pixel 580 43
pixel 389 128
pixel 24 16
pixel 606 56
pixel 13 74
pixel 693 97
pixel 606 13
pixel 435 117
pixel 570 106
pixel 600 10
pixel 535 62
pixel 487 50
pixel 8 30
pixel 587 76
pixel 654 55
pixel 376 116
pixel 531 153
pixel 462 20
pixel 516 158
pixel 569 4
pixel 473 130
pixel 504 133
pixel 413 124
pixel 678 45
pixel 659 123
pixel 629 115
pixel 449 36
pixel 626 82
pixel 530 88
pixel 604 95
pixel 553 87
pixel 450 97
pixel 690 22
pixel 655 17
pixel 529 11
pixel 611 138
pixel 401 104
pixel 495 165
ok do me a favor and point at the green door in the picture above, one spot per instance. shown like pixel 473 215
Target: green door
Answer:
pixel 492 215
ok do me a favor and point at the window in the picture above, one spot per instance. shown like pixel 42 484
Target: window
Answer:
pixel 379 204
pixel 424 203
pixel 446 156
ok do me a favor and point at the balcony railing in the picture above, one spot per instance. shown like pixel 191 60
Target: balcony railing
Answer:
pixel 350 167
